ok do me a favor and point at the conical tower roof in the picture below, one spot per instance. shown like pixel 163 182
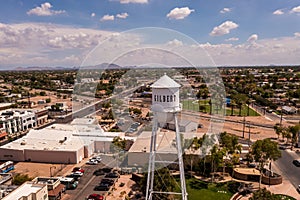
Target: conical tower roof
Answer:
pixel 165 82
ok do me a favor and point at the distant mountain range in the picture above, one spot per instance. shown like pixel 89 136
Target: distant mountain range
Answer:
pixel 112 66
pixel 36 68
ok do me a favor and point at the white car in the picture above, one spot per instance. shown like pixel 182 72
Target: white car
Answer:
pixel 298 188
pixel 97 158
pixel 92 162
pixel 78 173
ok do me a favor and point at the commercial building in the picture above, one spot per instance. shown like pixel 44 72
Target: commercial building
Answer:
pixel 61 143
pixel 54 187
pixel 14 121
pixel 29 191
pixel 138 154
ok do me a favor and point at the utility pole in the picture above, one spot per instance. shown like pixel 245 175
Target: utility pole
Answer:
pixel 281 117
pixel 244 124
pixel 249 134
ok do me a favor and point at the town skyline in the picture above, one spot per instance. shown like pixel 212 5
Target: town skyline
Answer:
pixel 233 33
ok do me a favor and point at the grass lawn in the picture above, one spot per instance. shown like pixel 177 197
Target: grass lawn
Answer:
pixel 206 191
pixel 285 197
pixel 205 107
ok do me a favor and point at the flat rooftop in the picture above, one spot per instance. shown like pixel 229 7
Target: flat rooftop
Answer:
pixel 165 141
pixel 63 137
pixel 24 190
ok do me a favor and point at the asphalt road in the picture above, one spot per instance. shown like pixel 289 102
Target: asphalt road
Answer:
pixel 86 184
pixel 287 168
pixel 271 115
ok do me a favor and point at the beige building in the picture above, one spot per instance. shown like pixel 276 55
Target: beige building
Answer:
pixel 61 143
pixel 29 191
pixel 138 154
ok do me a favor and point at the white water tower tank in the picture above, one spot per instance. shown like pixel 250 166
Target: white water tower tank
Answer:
pixel 165 98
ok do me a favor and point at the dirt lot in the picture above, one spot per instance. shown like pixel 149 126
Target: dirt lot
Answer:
pixel 41 169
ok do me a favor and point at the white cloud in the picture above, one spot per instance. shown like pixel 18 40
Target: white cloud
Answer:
pixel 133 1
pixel 252 38
pixel 44 10
pixel 297 34
pixel 93 14
pixel 278 12
pixel 29 44
pixel 175 42
pixel 107 18
pixel 232 39
pixel 224 28
pixel 180 13
pixel 122 15
pixel 225 10
pixel 295 9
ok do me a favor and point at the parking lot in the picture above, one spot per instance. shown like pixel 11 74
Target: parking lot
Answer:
pixel 97 178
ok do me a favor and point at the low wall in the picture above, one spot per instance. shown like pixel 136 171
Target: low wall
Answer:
pixel 277 179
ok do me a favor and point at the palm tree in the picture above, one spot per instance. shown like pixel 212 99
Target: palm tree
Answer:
pixel 278 129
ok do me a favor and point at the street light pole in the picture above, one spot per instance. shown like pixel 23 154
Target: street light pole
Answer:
pixel 51 169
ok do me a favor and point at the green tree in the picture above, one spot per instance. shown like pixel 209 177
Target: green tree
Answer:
pixel 230 142
pixel 278 129
pixel 119 143
pixel 19 179
pixel 263 150
pixel 163 182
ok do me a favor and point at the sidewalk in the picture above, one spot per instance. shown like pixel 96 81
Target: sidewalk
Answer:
pixel 286 187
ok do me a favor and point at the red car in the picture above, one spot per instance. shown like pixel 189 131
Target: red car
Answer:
pixel 78 169
pixel 95 197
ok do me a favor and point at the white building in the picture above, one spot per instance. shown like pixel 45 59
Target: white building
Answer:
pixel 61 143
pixel 29 191
pixel 13 121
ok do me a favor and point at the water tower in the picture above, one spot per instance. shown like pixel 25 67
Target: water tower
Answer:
pixel 165 107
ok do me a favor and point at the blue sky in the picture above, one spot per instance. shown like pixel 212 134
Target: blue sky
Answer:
pixel 212 23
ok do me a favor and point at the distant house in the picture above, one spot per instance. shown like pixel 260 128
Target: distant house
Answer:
pixel 289 110
pixel 184 125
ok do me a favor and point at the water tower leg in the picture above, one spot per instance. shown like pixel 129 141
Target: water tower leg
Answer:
pixel 180 160
pixel 151 164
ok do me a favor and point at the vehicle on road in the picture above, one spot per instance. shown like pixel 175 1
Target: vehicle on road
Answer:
pixel 101 188
pixel 92 162
pixel 95 197
pixel 75 175
pixel 97 158
pixel 296 162
pixel 107 181
pixel 298 188
pixel 78 169
pixel 69 182
pixel 112 175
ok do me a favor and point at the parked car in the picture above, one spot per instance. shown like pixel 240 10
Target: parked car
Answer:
pixel 298 188
pixel 296 162
pixel 78 169
pixel 92 162
pixel 95 197
pixel 252 165
pixel 101 188
pixel 112 175
pixel 99 172
pixel 77 173
pixel 98 158
pixel 106 181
